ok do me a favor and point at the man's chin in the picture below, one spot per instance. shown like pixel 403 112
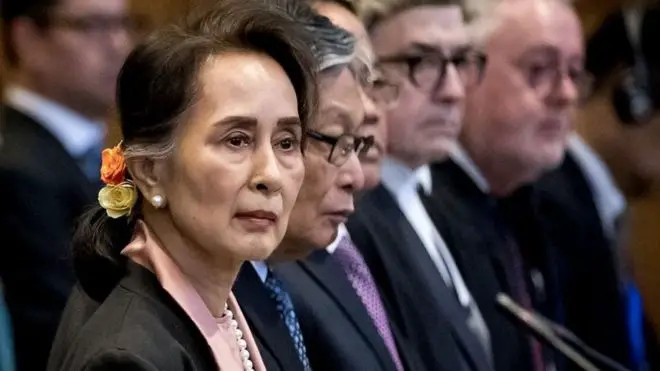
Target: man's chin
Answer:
pixel 438 155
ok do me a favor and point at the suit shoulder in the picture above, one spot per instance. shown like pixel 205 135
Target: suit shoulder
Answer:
pixel 19 134
pixel 128 330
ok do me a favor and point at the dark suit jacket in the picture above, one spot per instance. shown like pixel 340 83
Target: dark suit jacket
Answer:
pixel 79 309
pixel 418 301
pixel 594 302
pixel 338 331
pixel 137 327
pixel 475 233
pixel 269 331
pixel 45 192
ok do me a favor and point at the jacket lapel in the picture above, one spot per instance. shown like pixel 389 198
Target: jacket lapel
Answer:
pixel 330 276
pixel 264 320
pixel 403 234
pixel 474 226
pixel 144 283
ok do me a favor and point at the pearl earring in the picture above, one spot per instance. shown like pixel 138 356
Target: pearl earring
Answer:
pixel 158 201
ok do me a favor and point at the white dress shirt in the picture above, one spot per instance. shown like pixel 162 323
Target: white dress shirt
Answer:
pixel 402 182
pixel 261 268
pixel 608 198
pixel 75 132
pixel 341 232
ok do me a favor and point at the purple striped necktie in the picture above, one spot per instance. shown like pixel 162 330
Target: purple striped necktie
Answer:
pixel 521 293
pixel 358 274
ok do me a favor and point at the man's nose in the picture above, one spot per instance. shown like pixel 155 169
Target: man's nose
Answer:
pixel 451 88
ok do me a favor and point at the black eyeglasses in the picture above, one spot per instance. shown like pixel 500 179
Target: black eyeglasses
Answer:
pixel 544 76
pixel 426 71
pixel 382 92
pixel 343 146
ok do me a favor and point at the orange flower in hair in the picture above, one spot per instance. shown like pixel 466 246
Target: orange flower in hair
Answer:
pixel 119 195
pixel 113 166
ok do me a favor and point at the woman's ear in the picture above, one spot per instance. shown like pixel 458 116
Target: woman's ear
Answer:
pixel 147 174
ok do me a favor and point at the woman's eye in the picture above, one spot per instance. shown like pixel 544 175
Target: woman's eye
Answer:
pixel 239 141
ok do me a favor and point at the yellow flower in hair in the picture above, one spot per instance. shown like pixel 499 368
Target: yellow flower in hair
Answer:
pixel 118 200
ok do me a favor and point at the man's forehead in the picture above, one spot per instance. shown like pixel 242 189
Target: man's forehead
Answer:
pixel 340 103
pixel 441 27
pixel 537 25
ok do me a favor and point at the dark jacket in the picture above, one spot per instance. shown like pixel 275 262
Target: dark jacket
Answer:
pixel 45 192
pixel 138 326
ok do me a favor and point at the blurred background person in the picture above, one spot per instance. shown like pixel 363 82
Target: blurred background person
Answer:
pixel 332 175
pixel 616 159
pixel 517 126
pixel 213 112
pixel 63 58
pixel 344 321
pixel 425 49
pixel 620 120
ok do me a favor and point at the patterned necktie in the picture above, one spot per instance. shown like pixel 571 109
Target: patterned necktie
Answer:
pixel 509 211
pixel 288 315
pixel 363 283
pixel 519 288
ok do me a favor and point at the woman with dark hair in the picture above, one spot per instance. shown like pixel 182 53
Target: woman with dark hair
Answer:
pixel 212 114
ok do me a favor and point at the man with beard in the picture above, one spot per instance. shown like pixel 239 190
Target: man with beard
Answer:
pixel 516 129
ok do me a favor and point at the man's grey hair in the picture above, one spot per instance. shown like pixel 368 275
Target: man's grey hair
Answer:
pixel 484 18
pixel 332 46
pixel 373 11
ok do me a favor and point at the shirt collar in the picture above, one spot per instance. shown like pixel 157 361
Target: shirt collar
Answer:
pixel 608 198
pixel 399 178
pixel 77 133
pixel 463 160
pixel 342 231
pixel 146 250
pixel 261 268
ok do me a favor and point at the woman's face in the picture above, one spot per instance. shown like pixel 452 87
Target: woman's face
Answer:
pixel 237 167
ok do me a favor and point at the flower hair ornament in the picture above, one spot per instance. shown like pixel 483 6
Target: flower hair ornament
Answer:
pixel 119 194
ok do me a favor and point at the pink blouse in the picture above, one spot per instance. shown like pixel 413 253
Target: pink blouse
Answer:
pixel 145 250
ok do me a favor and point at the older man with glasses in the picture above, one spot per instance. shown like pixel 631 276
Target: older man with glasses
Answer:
pixel 516 128
pixel 343 318
pixel 425 49
pixel 332 176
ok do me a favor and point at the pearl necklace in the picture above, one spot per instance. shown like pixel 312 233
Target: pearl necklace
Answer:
pixel 242 344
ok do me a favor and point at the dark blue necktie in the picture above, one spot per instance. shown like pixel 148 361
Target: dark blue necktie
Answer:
pixel 288 315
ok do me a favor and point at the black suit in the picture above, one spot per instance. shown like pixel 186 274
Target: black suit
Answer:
pixel 339 333
pixel 270 332
pixel 137 327
pixel 417 299
pixel 45 191
pixel 79 309
pixel 593 304
pixel 476 230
